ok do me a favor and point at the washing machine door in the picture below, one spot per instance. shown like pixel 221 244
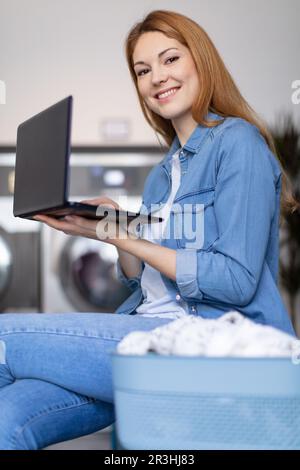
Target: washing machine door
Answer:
pixel 6 264
pixel 88 274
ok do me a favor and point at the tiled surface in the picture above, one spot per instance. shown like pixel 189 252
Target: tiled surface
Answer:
pixel 98 441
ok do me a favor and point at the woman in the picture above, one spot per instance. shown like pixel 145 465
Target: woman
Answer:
pixel 218 190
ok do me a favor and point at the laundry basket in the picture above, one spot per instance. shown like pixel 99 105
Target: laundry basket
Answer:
pixel 172 402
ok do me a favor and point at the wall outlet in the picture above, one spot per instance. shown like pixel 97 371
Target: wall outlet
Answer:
pixel 115 129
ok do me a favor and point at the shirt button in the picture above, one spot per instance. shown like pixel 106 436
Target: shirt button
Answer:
pixel 177 297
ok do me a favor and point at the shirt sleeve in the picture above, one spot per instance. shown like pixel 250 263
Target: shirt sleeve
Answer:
pixel 131 282
pixel 245 202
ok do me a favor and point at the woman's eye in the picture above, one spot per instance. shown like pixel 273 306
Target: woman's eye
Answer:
pixel 170 58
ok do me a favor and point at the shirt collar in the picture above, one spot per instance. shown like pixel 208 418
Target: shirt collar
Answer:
pixel 195 140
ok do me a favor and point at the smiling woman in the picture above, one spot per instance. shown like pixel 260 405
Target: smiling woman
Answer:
pixel 168 49
pixel 167 79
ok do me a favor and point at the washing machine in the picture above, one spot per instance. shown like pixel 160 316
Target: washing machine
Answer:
pixel 19 250
pixel 79 274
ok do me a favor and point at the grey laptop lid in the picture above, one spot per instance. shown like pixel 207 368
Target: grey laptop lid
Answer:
pixel 42 169
pixel 43 149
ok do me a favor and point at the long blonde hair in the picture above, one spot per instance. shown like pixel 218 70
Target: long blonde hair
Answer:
pixel 218 92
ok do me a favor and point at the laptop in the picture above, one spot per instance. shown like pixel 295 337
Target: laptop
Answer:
pixel 42 170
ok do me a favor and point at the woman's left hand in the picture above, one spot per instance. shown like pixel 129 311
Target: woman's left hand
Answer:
pixel 70 225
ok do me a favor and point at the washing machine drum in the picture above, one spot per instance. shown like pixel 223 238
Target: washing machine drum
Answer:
pixel 6 262
pixel 88 274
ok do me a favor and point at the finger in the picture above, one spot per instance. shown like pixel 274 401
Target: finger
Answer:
pixel 92 202
pixel 42 218
pixel 53 222
pixel 82 222
pixel 101 201
pixel 96 201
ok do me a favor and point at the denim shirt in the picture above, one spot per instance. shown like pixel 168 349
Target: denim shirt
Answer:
pixel 232 182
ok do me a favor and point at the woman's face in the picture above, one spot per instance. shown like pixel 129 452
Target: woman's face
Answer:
pixel 173 68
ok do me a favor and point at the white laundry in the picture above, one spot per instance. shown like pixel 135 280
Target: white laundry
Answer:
pixel 230 335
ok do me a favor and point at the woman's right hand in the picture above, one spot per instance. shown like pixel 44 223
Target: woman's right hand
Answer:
pixel 105 201
pixel 102 201
pixel 88 228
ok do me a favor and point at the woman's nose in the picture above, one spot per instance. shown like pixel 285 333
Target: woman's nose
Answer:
pixel 159 76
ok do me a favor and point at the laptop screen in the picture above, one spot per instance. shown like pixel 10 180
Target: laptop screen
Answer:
pixel 43 149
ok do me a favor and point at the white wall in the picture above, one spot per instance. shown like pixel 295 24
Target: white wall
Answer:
pixel 52 48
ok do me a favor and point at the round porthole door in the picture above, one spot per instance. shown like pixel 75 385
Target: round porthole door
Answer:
pixel 87 271
pixel 6 264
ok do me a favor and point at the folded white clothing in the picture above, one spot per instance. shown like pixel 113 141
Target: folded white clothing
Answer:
pixel 232 334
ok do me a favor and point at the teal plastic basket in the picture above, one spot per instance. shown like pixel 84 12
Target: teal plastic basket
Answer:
pixel 172 402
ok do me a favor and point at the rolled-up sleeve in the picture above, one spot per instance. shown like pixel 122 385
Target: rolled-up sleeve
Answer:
pixel 244 205
pixel 131 282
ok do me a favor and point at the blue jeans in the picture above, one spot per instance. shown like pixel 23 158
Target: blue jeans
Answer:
pixel 55 374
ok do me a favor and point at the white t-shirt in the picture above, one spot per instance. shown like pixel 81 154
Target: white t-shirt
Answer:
pixel 157 301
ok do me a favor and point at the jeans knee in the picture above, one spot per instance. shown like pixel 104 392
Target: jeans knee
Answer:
pixel 12 426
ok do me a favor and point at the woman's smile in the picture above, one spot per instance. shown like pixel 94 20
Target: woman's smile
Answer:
pixel 166 97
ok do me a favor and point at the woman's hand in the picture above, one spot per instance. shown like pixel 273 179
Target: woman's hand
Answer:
pixel 75 225
pixel 103 201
